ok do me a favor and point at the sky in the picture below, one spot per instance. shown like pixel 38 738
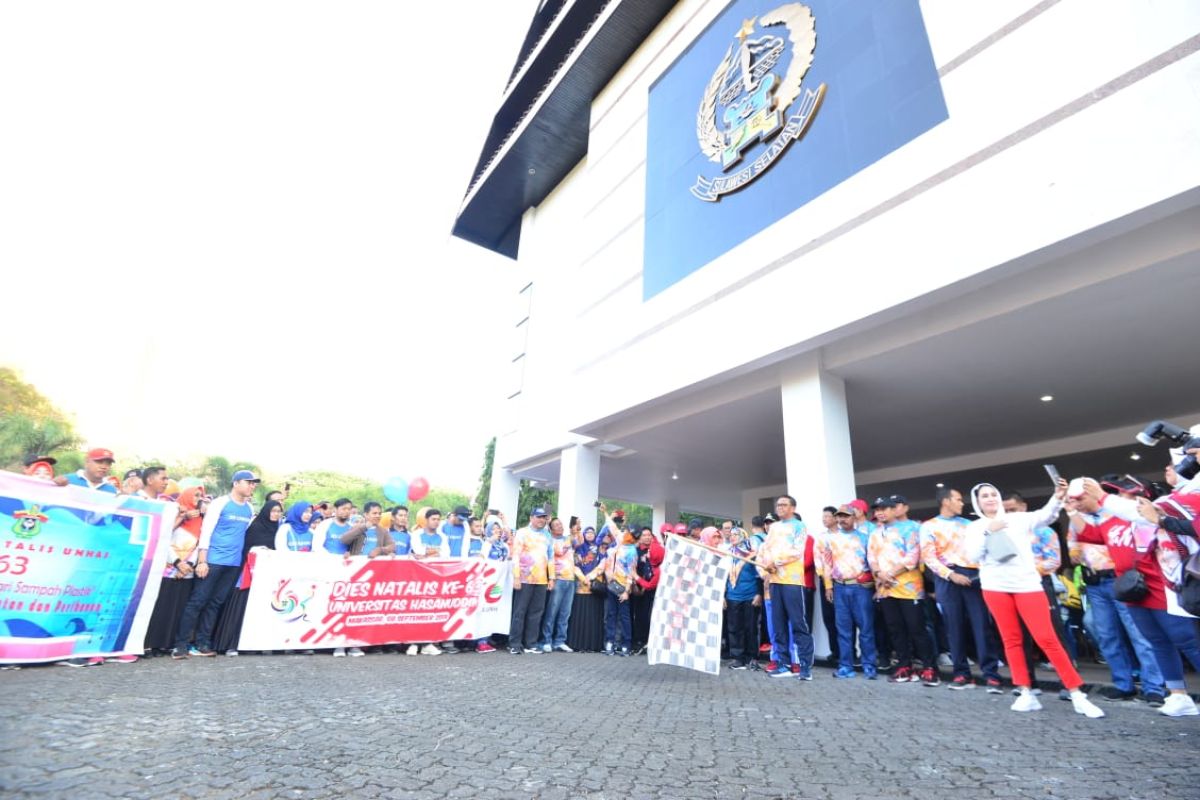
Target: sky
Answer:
pixel 224 228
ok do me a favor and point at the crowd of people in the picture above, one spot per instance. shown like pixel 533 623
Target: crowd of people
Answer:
pixel 900 598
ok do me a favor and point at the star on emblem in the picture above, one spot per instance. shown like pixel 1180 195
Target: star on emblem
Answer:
pixel 747 29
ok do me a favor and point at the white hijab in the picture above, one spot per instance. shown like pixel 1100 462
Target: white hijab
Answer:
pixel 975 502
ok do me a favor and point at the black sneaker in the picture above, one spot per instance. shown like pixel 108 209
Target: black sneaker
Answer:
pixel 179 654
pixel 516 651
pixel 1154 699
pixel 1113 693
pixel 739 665
pixel 623 652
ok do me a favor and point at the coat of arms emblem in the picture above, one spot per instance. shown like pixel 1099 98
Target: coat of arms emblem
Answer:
pixel 747 98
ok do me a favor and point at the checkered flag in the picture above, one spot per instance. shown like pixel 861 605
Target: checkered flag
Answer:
pixel 685 625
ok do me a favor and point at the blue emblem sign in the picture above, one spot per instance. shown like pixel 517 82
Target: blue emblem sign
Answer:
pixel 771 106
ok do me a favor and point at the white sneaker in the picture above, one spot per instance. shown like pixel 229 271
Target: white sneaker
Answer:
pixel 355 651
pixel 1179 705
pixel 1027 702
pixel 231 653
pixel 412 650
pixel 339 652
pixel 944 660
pixel 562 648
pixel 430 650
pixel 546 648
pixel 1086 707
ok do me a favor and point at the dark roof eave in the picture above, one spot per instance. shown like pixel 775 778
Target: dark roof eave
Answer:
pixel 531 162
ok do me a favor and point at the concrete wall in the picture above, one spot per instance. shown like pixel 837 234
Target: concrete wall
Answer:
pixel 1063 116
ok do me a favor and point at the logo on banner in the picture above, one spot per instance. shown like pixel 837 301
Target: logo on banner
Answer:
pixel 289 605
pixel 29 522
pixel 753 98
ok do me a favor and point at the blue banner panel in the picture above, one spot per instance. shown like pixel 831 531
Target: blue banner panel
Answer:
pixel 79 570
pixel 774 104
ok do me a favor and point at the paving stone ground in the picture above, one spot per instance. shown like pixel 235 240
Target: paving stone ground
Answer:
pixel 557 726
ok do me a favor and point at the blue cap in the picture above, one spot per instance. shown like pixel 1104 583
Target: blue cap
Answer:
pixel 245 475
pixel 538 512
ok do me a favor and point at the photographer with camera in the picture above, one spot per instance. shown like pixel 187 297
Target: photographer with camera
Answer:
pixel 1130 529
pixel 1185 456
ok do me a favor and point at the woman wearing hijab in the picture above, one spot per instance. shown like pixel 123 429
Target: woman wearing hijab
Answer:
pixel 177 584
pixel 295 532
pixel 585 631
pixel 261 533
pixel 1003 546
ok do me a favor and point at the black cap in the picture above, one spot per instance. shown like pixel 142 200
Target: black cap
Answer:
pixel 51 460
pixel 132 473
pixel 883 502
pixel 694 523
pixel 769 517
pixel 462 512
pixel 898 500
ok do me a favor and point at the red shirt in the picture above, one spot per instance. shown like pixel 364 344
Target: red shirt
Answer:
pixel 1113 525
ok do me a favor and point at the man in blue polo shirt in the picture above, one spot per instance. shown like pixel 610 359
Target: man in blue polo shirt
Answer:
pixel 218 564
pixel 455 531
pixel 94 474
pixel 327 538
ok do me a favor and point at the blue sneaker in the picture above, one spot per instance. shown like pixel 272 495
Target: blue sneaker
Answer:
pixel 805 674
pixel 780 672
pixel 870 674
pixel 845 673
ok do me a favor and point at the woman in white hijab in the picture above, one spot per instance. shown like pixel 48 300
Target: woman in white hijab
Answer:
pixel 1002 544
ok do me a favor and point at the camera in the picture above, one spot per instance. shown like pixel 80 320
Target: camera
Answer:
pixel 1180 437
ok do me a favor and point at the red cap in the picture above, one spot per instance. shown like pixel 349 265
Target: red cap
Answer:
pixel 100 454
pixel 681 529
pixel 861 505
pixel 666 527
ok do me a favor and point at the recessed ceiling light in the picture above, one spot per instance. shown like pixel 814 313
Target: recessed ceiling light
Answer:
pixel 1135 457
pixel 1046 398
pixel 674 476
pixel 940 485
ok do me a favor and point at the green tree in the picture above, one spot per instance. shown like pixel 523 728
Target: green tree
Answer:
pixel 30 425
pixel 217 473
pixel 531 497
pixel 23 437
pixel 19 397
pixel 484 492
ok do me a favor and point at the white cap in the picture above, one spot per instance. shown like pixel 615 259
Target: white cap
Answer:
pixel 1076 488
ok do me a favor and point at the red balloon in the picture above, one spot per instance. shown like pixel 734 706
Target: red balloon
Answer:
pixel 417 488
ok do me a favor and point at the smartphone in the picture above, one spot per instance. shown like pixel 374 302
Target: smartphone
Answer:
pixel 287 487
pixel 596 504
pixel 1052 471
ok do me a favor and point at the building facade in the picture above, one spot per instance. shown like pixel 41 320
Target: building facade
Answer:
pixel 842 248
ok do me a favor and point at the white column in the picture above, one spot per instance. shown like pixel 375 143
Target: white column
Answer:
pixel 665 511
pixel 816 438
pixel 578 483
pixel 816 443
pixel 506 490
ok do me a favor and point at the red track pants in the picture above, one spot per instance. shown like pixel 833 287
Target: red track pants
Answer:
pixel 1032 608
